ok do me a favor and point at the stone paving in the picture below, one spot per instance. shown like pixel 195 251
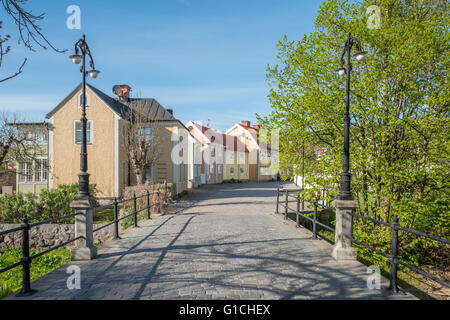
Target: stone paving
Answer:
pixel 228 244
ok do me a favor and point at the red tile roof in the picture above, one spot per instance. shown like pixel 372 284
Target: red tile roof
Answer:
pixel 230 142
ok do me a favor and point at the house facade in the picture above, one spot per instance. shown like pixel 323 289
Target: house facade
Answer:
pixel 224 157
pixel 212 152
pixel 236 159
pixel 260 153
pixel 108 163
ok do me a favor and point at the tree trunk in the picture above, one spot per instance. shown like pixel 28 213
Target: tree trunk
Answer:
pixel 140 176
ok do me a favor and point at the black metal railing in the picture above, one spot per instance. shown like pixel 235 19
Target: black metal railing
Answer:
pixel 26 259
pixel 116 202
pixel 393 258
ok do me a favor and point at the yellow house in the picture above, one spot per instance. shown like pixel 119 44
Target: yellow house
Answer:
pixel 260 154
pixel 106 134
pixel 225 156
pixel 236 159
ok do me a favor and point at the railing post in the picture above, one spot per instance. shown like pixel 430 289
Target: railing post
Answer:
pixel 394 256
pixel 286 205
pixel 278 199
pixel 158 202
pixel 26 283
pixel 84 228
pixel 134 210
pixel 343 235
pixel 298 212
pixel 315 220
pixel 148 205
pixel 116 219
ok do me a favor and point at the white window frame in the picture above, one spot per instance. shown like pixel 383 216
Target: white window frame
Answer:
pixel 24 172
pixel 241 170
pixel 91 122
pixel 31 170
pixel 232 170
pixel 42 170
pixel 145 135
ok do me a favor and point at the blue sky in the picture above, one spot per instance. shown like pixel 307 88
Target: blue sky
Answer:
pixel 206 59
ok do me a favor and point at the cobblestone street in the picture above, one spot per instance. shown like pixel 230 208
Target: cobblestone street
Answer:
pixel 228 244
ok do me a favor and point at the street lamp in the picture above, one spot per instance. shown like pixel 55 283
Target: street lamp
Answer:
pixel 344 190
pixel 83 176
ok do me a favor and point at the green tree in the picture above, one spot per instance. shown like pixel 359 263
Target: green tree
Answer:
pixel 399 111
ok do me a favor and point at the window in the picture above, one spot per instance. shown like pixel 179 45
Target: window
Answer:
pixel 41 170
pixel 78 132
pixel 241 158
pixel 80 100
pixel 213 152
pixel 265 171
pixel 33 171
pixel 150 173
pixel 124 173
pixel 124 135
pixel 231 170
pixel 25 172
pixel 36 136
pixel 211 169
pixel 41 137
pixel 145 133
pixel 241 170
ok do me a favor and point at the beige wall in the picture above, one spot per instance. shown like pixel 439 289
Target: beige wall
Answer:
pixel 234 163
pixel 35 188
pixel 66 155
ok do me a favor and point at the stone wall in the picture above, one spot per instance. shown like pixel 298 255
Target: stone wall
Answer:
pixel 49 235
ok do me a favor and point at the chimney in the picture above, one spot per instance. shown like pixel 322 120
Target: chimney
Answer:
pixel 256 127
pixel 245 123
pixel 170 111
pixel 122 91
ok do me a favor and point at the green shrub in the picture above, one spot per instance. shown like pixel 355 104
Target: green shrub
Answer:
pixel 49 204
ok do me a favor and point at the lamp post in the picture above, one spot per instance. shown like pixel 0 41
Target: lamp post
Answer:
pixel 83 177
pixel 344 190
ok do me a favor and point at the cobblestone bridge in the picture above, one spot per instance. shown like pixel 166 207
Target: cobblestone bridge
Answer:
pixel 226 243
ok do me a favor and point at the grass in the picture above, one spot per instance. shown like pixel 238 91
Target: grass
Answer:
pixel 129 221
pixel 11 280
